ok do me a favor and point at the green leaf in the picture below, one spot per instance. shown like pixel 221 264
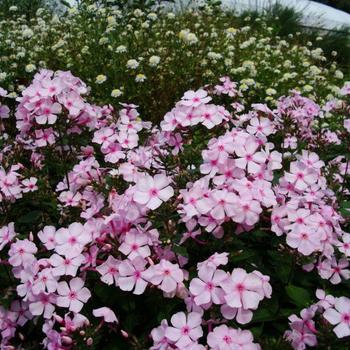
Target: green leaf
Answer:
pixel 299 296
pixel 180 250
pixel 65 3
pixel 30 217
pixel 245 255
pixel 345 208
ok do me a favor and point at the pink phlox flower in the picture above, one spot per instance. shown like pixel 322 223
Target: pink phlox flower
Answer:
pixel 107 314
pixel 132 275
pixel 339 316
pixel 135 244
pixel 206 288
pixel 153 191
pixel 74 295
pixel 195 98
pixel 166 275
pixel 186 329
pixel 109 270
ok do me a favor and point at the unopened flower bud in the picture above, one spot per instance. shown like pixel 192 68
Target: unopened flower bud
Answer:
pixel 124 334
pixel 67 340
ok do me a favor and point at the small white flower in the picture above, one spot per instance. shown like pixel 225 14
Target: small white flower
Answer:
pixel 100 79
pixel 120 49
pixel 271 91
pixel 154 61
pixel 140 78
pixel 116 93
pixel 132 64
pixel 30 68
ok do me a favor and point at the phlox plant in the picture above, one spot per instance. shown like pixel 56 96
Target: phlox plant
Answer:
pixel 223 227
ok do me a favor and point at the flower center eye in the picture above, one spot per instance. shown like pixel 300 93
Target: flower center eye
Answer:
pixel 210 286
pixel 240 287
pixel 227 339
pixel 346 318
pixel 185 330
pixel 153 192
pixel 72 295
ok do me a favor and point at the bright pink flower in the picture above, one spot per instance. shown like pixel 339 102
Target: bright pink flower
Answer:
pixel 135 244
pixel 105 137
pixel 227 87
pixel 344 245
pixel 213 262
pixel 7 234
pixel 334 270
pixel 4 112
pixel 72 240
pixel 47 237
pixel 225 338
pixel 211 115
pixel 207 288
pixel 30 184
pixel 22 253
pixel 260 126
pixel 347 125
pixel 185 330
pixel 73 296
pixel 326 301
pixel 44 137
pixel 44 305
pixel 340 316
pixel 109 270
pixel 165 274
pixel 153 191
pixel 301 176
pixel 249 158
pixel 225 204
pixel 241 289
pixel 44 282
pixel 66 266
pixel 107 314
pixel 247 211
pixel 48 112
pixel 158 335
pixel 131 275
pixel 195 98
pixel 69 198
pixel 305 239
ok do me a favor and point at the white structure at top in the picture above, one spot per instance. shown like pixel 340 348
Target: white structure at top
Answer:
pixel 314 14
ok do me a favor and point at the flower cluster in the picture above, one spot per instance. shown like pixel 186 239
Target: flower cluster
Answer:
pixel 335 311
pixel 132 202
